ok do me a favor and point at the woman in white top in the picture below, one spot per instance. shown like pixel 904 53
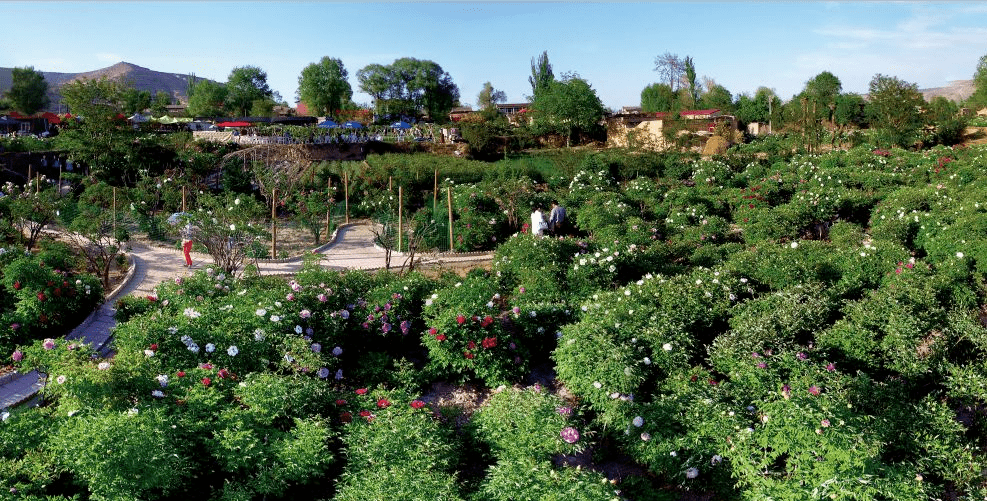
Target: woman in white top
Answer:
pixel 538 224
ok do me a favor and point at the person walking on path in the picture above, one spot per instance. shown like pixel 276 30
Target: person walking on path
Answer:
pixel 556 219
pixel 187 244
pixel 538 224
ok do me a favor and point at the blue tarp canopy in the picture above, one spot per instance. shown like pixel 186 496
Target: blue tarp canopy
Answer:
pixel 353 125
pixel 401 125
pixel 328 124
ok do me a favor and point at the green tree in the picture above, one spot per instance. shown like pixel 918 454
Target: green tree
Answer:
pixel 489 97
pixel 849 110
pixel 689 69
pixel 658 97
pixel 226 224
pixel 29 90
pixel 894 110
pixel 822 91
pixel 208 99
pixel 159 103
pixel 541 74
pixel 409 88
pixel 943 122
pixel 245 85
pixel 32 208
pixel 979 98
pixel 567 107
pixel 323 86
pixel 134 100
pixel 716 97
pixel 97 229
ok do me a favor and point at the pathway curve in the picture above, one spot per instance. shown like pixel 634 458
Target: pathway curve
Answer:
pixel 350 248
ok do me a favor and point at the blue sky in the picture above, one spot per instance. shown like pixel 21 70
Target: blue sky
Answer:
pixel 740 45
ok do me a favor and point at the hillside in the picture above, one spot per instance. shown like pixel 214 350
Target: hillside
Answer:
pixel 957 90
pixel 141 78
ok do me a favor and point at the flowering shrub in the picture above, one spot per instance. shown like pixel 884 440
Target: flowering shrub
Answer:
pixel 529 423
pixel 534 267
pixel 531 478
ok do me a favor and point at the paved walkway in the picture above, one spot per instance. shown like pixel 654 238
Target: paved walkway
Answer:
pixel 351 248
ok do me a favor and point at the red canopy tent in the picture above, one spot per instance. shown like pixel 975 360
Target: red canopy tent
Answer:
pixel 234 124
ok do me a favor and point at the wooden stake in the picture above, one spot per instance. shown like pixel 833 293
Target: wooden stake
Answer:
pixel 399 218
pixel 328 207
pixel 346 190
pixel 449 191
pixel 390 183
pixel 274 223
pixel 435 191
pixel 29 177
pixel 183 198
pixel 114 212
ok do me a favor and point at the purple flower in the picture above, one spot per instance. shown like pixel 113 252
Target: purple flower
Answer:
pixel 316 347
pixel 385 328
pixel 762 365
pixel 17 356
pixel 564 411
pixel 337 351
pixel 569 434
pixel 323 372
pixel 405 327
pixel 830 367
pixel 802 356
pixel 344 314
pixel 49 344
pixel 322 298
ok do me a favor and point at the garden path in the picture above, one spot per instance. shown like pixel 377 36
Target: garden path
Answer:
pixel 351 248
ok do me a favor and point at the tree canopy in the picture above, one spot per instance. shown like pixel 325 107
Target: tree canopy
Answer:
pixel 324 87
pixel 29 90
pixel 658 97
pixel 409 88
pixel 207 99
pixel 489 97
pixel 541 74
pixel 670 67
pixel 246 84
pixel 979 97
pixel 568 106
pixel 893 110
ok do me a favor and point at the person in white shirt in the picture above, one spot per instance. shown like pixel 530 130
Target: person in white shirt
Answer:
pixel 538 224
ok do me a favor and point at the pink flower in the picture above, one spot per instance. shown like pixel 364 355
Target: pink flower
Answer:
pixel 814 390
pixel 322 298
pixel 305 314
pixel 830 367
pixel 290 297
pixel 49 344
pixel 569 434
pixel 383 403
pixel 206 381
pixel 361 391
pixel 825 423
pixel 521 290
pixel 17 356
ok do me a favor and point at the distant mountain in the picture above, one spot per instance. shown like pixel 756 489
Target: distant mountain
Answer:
pixel 957 90
pixel 175 84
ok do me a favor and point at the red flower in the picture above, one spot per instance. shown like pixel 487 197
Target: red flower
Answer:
pixel 361 391
pixel 41 296
pixel 468 355
pixel 440 337
pixel 713 382
pixel 151 298
pixel 206 366
pixel 489 342
pixel 460 320
pixel 154 346
pixel 206 381
pixel 180 374
pixel 340 401
pixel 364 413
pixel 17 285
pixel 471 345
pixel 383 403
pixel 417 404
pixel 433 331
pixel 223 374
pixel 487 320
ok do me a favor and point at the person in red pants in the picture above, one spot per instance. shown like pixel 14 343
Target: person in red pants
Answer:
pixel 187 245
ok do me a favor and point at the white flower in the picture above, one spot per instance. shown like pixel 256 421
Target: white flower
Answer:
pixel 191 313
pixel 298 328
pixel 261 312
pixel 194 348
pixel 667 346
pixel 692 473
pixel 232 351
pixel 645 436
pixel 60 379
pixel 638 421
pixel 275 318
pixel 4 415
pixel 163 380
pixel 959 255
pixel 133 411
pixel 717 459
pixel 597 384
pixel 148 353
pixel 647 361
pixel 103 366
pixel 795 245
pixel 259 335
pixel 236 201
pixel 157 393
pixel 232 227
pixel 210 347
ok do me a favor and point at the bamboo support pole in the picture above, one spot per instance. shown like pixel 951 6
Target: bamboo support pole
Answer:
pixel 449 192
pixel 400 225
pixel 346 190
pixel 274 223
pixel 114 212
pixel 328 207
pixel 435 191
